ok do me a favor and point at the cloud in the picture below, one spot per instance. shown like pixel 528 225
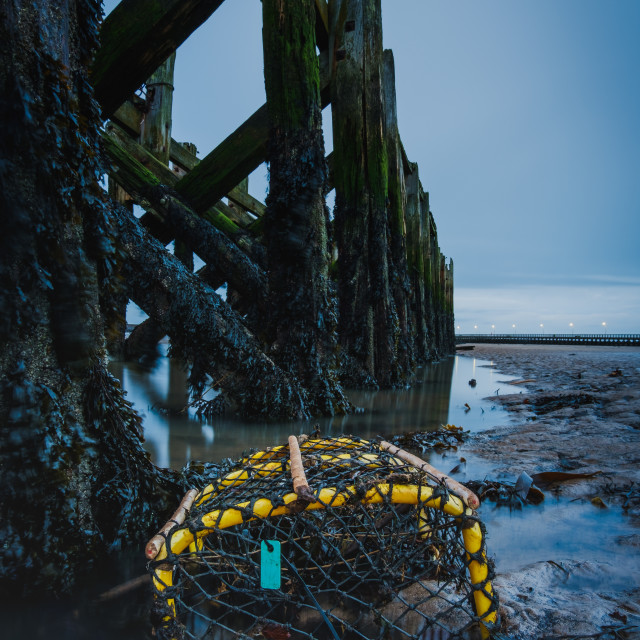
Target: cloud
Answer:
pixel 619 280
pixel 554 306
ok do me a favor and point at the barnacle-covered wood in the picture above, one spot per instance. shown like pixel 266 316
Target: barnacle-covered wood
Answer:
pixel 204 330
pixel 369 325
pixel 301 321
pixel 76 480
pixel 399 282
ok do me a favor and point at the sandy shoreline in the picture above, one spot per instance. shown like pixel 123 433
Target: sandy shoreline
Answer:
pixel 581 414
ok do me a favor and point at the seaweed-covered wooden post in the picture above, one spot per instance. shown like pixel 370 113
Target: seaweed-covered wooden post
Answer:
pixel 398 273
pixel 431 276
pixel 439 296
pixel 351 206
pixel 368 321
pixel 113 301
pixel 428 241
pixel 155 137
pixel 451 334
pixel 155 128
pixel 386 329
pixel 301 322
pixel 416 259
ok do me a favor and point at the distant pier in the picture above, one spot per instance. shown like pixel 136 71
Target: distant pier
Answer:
pixel 604 339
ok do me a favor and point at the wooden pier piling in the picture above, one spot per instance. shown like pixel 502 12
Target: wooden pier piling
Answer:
pixel 393 286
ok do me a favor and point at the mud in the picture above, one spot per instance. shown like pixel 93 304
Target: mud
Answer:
pixel 580 413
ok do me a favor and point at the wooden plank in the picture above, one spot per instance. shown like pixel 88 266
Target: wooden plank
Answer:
pixel 128 116
pixel 213 243
pixel 221 216
pixel 160 170
pixel 185 159
pixel 237 156
pixel 247 201
pixel 138 171
pixel 136 38
pixel 180 155
pixel 237 214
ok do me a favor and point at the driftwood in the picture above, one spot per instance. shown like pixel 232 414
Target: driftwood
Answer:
pixel 300 485
pixel 124 588
pixel 469 498
pixel 157 542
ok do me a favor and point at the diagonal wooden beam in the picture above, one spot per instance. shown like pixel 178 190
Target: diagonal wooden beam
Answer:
pixel 231 161
pixel 238 155
pixel 136 38
pixel 143 177
pixel 128 117
pixel 211 242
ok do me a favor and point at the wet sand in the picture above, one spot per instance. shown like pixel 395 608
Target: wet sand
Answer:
pixel 581 414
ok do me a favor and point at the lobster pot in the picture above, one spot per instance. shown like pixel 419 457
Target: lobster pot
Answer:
pixel 375 549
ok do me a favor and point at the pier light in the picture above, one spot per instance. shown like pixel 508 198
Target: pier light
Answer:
pixel 493 326
pixel 475 326
pixel 604 325
pixel 571 325
pixel 542 327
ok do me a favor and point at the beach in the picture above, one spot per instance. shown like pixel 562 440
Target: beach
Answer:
pixel 580 414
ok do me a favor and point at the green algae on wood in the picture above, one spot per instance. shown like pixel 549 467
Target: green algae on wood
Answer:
pixel 351 214
pixel 209 241
pixel 235 157
pixel 369 324
pixel 300 322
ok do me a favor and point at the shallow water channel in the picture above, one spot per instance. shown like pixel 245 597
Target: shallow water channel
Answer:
pixel 174 435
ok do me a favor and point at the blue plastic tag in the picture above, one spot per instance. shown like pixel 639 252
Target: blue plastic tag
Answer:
pixel 270 564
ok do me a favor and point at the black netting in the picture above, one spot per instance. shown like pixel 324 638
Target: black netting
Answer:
pixel 381 555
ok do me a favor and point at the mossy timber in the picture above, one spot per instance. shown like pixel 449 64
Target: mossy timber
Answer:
pixel 393 288
pixel 300 324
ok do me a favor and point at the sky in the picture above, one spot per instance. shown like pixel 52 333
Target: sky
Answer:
pixel 524 119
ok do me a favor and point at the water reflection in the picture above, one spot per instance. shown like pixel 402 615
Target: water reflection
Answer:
pixel 561 529
pixel 174 435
